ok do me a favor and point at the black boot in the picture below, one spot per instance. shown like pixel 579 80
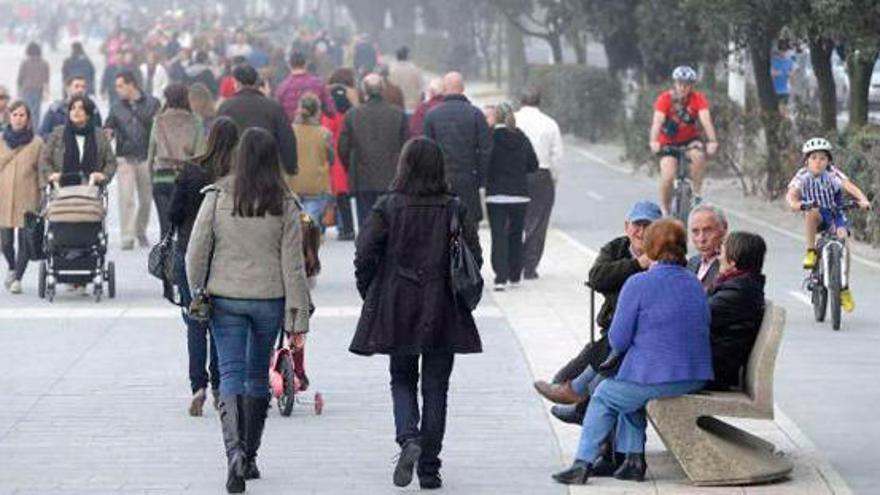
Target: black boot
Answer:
pixel 606 464
pixel 571 414
pixel 232 422
pixel 255 410
pixel 633 468
pixel 577 474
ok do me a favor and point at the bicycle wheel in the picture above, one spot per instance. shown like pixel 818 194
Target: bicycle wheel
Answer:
pixel 820 300
pixel 681 202
pixel 834 284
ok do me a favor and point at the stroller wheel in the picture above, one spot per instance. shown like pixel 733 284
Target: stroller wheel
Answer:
pixel 319 403
pixel 110 276
pixel 98 292
pixel 41 281
pixel 287 398
pixel 50 292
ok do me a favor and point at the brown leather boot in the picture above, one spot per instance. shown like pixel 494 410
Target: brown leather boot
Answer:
pixel 560 393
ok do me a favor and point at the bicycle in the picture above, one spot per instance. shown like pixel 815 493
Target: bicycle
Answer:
pixel 682 189
pixel 829 276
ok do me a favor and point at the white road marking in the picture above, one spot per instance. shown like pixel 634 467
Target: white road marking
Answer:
pixel 596 196
pixel 727 209
pixel 98 312
pixel 800 296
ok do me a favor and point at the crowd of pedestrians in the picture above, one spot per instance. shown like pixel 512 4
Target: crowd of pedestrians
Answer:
pixel 234 140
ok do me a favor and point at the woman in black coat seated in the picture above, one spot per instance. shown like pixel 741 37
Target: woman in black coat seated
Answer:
pixel 737 305
pixel 409 312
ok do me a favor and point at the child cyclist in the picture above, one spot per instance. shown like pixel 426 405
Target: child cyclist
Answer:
pixel 816 188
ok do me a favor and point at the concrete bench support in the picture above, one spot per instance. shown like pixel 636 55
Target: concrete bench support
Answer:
pixel 713 452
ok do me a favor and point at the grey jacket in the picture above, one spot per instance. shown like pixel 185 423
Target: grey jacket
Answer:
pixel 253 257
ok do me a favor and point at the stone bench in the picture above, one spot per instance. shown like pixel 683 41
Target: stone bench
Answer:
pixel 712 452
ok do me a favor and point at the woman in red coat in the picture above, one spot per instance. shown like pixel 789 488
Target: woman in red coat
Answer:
pixel 338 175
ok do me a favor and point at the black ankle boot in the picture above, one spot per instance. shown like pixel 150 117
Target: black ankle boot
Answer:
pixel 571 414
pixel 633 468
pixel 606 464
pixel 255 410
pixel 431 481
pixel 232 423
pixel 577 474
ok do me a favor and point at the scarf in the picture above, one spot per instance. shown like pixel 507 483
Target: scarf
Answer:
pixel 15 139
pixel 732 274
pixel 89 163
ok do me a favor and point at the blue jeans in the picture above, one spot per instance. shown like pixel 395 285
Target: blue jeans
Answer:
pixel 244 330
pixel 436 369
pixel 198 336
pixel 315 206
pixel 623 402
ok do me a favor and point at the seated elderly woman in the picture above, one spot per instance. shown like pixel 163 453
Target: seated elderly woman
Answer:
pixel 662 325
pixel 736 302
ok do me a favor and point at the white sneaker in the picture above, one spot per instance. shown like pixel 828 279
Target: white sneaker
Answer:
pixel 15 287
pixel 499 287
pixel 10 277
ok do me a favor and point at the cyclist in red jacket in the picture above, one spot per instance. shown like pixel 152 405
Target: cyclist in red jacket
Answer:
pixel 676 113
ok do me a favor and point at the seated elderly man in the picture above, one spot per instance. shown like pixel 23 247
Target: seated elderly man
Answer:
pixel 708 226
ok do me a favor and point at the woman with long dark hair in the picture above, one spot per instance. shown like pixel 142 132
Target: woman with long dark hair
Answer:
pixel 245 253
pixel 186 199
pixel 176 136
pixel 19 188
pixel 78 147
pixel 409 311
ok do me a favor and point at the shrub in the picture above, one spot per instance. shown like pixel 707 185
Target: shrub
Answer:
pixel 858 157
pixel 583 100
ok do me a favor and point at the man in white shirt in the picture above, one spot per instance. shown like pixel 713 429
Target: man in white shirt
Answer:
pixel 546 139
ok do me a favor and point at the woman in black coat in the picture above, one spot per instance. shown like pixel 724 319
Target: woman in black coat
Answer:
pixel 409 312
pixel 182 211
pixel 507 194
pixel 737 305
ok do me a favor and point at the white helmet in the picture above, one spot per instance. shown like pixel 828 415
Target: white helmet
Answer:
pixel 684 73
pixel 816 144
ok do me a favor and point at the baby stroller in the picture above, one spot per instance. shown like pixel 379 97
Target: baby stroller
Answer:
pixel 75 242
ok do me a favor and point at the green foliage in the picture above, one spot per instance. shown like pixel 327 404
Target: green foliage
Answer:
pixel 585 101
pixel 858 157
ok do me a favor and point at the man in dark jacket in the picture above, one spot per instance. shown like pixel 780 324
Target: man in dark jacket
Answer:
pixel 130 122
pixel 56 115
pixel 369 145
pixel 737 304
pixel 462 132
pixel 617 261
pixel 708 227
pixel 251 108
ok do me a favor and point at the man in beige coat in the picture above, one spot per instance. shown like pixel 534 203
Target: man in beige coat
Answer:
pixel 408 77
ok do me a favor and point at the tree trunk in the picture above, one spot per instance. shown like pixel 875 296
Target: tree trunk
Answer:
pixel 859 68
pixel 579 45
pixel 770 117
pixel 555 42
pixel 516 58
pixel 820 56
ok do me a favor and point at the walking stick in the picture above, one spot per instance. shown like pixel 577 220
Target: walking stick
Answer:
pixel 592 313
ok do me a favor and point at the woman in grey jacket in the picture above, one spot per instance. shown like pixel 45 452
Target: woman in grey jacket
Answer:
pixel 245 250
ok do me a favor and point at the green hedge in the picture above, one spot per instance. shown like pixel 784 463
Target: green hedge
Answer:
pixel 584 101
pixel 858 156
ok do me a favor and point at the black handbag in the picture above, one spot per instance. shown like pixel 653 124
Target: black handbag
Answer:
pixel 201 307
pixel 464 272
pixel 160 263
pixel 34 233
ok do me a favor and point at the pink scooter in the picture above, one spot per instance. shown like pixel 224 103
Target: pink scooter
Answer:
pixel 288 380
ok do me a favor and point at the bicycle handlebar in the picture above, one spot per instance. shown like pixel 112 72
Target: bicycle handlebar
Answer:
pixel 847 205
